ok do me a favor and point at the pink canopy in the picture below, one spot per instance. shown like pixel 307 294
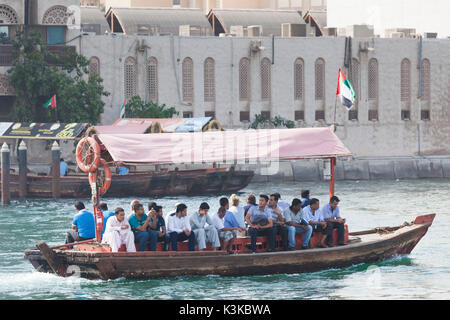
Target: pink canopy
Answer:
pixel 132 128
pixel 229 146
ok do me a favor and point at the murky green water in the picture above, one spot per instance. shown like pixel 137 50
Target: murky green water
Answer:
pixel 424 274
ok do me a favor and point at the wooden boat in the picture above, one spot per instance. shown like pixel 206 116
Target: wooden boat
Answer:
pixel 95 261
pixel 140 184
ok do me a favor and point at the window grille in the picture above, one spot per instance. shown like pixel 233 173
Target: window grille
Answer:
pixel 56 15
pixel 353 114
pixel 405 84
pixel 426 80
pixel 94 66
pixel 373 115
pixel 209 78
pixel 265 79
pixel 320 115
pixel 266 114
pixel 152 79
pixel 130 78
pixel 299 80
pixel 8 15
pixel 244 79
pixel 320 79
pixel 299 115
pixel 373 80
pixel 244 116
pixel 188 80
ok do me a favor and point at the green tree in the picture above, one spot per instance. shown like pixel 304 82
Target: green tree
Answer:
pixel 137 108
pixel 37 75
pixel 273 122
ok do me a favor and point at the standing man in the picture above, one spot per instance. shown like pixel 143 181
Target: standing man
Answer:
pixel 278 220
pixel 204 233
pixel 158 224
pixel 297 224
pixel 259 220
pixel 179 228
pixel 315 218
pixel 118 232
pixel 83 225
pixel 332 216
pixel 139 223
pixel 63 168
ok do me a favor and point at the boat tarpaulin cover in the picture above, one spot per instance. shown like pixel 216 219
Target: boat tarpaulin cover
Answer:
pixel 224 146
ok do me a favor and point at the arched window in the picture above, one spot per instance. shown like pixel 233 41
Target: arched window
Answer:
pixel 373 80
pixel 354 80
pixel 152 79
pixel 209 80
pixel 56 15
pixel 266 79
pixel 426 89
pixel 130 78
pixel 244 79
pixel 299 80
pixel 8 15
pixel 94 66
pixel 320 79
pixel 405 89
pixel 188 80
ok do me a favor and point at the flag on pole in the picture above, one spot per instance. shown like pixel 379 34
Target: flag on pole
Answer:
pixel 345 91
pixel 122 110
pixel 51 103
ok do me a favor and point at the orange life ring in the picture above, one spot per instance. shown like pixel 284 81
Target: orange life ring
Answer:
pixel 105 181
pixel 91 158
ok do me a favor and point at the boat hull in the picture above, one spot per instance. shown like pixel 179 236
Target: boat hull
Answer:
pixel 192 182
pixel 144 265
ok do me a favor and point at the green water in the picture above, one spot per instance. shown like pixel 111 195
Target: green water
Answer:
pixel 424 274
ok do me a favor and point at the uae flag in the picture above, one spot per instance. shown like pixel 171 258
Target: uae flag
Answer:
pixel 51 103
pixel 122 110
pixel 345 91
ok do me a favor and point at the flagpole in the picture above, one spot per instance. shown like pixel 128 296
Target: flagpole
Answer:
pixel 335 106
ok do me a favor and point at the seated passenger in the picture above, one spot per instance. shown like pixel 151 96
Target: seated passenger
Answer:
pixel 139 223
pixel 83 225
pixel 305 198
pixel 132 203
pixel 283 205
pixel 106 215
pixel 297 224
pixel 237 210
pixel 331 215
pixel 158 224
pixel 259 220
pixel 251 202
pixel 118 232
pixel 204 233
pixel 315 218
pixel 278 221
pixel 179 228
pixel 227 235
pixel 229 221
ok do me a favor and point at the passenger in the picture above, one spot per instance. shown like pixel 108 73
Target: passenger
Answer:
pixel 332 216
pixel 83 225
pixel 237 210
pixel 283 205
pixel 278 221
pixel 297 224
pixel 151 205
pixel 158 224
pixel 230 221
pixel 179 228
pixel 315 218
pixel 259 220
pixel 227 235
pixel 118 232
pixel 139 223
pixel 204 233
pixel 251 202
pixel 63 169
pixel 106 215
pixel 306 201
pixel 132 209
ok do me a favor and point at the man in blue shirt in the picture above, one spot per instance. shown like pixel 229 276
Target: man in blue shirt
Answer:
pixel 306 201
pixel 106 215
pixel 83 225
pixel 314 216
pixel 62 168
pixel 229 220
pixel 139 223
pixel 333 218
pixel 251 202
pixel 259 220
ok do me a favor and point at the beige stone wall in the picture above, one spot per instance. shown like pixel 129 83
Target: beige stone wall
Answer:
pixel 390 136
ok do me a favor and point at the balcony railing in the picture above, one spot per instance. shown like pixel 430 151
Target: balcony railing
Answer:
pixel 6 55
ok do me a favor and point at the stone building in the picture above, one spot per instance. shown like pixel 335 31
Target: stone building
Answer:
pixel 402 107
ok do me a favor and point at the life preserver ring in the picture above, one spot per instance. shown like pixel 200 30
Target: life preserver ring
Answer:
pixel 214 125
pixel 156 128
pixel 92 154
pixel 105 181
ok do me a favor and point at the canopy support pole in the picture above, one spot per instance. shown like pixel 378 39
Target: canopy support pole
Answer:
pixel 332 165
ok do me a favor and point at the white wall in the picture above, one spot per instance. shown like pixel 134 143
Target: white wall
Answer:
pixel 425 16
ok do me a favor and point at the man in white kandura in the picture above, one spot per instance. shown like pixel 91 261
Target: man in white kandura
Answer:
pixel 118 232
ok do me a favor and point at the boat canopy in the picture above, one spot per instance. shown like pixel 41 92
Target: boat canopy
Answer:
pixel 224 146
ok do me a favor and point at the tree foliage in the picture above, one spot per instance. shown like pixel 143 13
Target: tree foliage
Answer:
pixel 261 120
pixel 37 75
pixel 137 108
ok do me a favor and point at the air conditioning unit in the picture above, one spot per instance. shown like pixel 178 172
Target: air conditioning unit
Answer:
pixel 189 31
pixel 293 30
pixel 430 35
pixel 238 31
pixel 254 31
